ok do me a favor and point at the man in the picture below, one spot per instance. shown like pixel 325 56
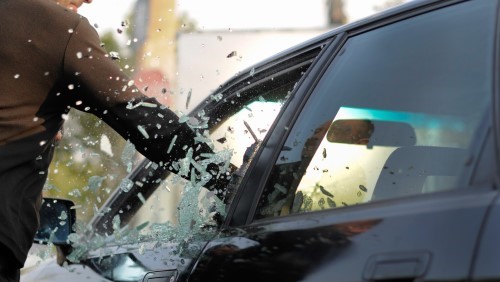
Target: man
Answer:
pixel 52 60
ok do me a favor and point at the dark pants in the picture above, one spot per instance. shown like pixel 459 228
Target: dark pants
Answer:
pixel 9 267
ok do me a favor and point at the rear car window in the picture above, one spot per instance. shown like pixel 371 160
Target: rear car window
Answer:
pixel 399 112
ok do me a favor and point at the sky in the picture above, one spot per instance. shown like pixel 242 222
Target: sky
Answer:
pixel 233 14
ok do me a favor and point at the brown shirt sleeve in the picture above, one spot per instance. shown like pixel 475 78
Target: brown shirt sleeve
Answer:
pixel 97 85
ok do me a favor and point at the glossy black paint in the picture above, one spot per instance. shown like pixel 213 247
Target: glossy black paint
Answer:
pixel 57 218
pixel 374 242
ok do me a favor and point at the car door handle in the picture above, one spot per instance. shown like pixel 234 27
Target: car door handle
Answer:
pixel 160 276
pixel 397 266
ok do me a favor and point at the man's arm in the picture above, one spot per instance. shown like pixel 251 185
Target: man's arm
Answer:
pixel 97 85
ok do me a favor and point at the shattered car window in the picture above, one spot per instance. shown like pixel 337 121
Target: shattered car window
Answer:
pixel 154 205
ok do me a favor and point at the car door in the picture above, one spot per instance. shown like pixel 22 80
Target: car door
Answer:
pixel 375 171
pixel 156 223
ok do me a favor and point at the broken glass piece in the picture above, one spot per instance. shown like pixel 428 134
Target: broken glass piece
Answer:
pixel 202 139
pixel 95 183
pixel 324 191
pixel 127 155
pixel 216 97
pixel 363 188
pixel 298 200
pixel 232 54
pixel 126 184
pixel 331 203
pixel 63 216
pixel 172 143
pixel 105 145
pixel 321 203
pixel 183 118
pixel 280 188
pixel 141 198
pixel 143 131
pixel 188 99
pixel 114 55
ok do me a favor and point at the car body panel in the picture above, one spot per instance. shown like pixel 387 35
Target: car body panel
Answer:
pixel 356 243
pixel 486 264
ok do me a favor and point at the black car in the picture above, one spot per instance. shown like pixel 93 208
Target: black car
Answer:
pixel 369 153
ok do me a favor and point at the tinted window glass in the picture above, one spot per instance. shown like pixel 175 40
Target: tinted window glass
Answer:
pixel 396 114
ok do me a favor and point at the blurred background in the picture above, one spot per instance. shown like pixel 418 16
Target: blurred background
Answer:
pixel 175 49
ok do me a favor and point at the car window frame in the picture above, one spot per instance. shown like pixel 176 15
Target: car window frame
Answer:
pixel 258 172
pixel 305 54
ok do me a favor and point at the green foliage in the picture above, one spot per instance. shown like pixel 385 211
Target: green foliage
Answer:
pixel 81 170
